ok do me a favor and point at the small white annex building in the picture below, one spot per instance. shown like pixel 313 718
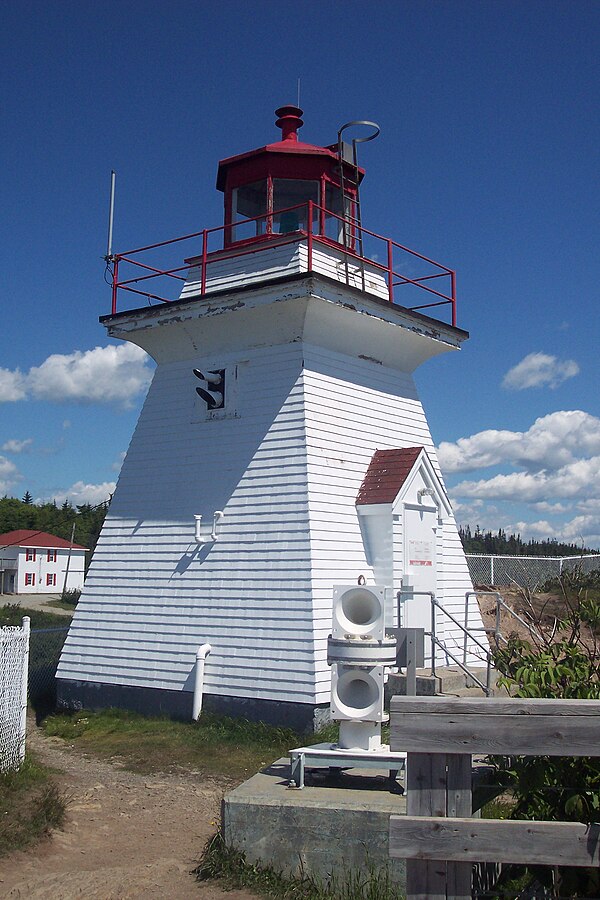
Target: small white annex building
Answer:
pixel 284 372
pixel 35 562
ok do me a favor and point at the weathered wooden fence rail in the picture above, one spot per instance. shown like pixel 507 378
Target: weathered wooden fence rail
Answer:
pixel 437 837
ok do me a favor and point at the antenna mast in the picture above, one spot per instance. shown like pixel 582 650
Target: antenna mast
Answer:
pixel 111 212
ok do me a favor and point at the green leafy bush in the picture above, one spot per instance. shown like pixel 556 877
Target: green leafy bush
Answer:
pixel 563 662
pixel 71 597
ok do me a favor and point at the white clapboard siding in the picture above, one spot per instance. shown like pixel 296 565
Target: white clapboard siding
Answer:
pixel 284 462
pixel 250 597
pixel 354 407
pixel 225 271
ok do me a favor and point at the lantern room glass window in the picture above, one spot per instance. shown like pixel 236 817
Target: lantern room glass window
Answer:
pixel 291 192
pixel 248 202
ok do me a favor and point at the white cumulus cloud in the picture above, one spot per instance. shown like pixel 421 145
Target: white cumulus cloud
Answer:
pixel 539 370
pixel 577 479
pixel 12 386
pixel 80 493
pixel 113 375
pixel 9 475
pixel 16 446
pixel 552 441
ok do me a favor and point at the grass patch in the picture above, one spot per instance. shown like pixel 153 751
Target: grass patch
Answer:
pixel 31 805
pixel 498 808
pixel 229 866
pixel 13 613
pixel 62 604
pixel 215 745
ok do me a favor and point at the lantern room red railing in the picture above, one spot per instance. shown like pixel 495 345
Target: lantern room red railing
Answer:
pixel 417 269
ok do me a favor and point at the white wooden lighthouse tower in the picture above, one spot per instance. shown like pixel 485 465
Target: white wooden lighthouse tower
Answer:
pixel 282 448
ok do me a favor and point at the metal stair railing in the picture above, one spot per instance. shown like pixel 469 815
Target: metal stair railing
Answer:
pixel 468 634
pixel 437 642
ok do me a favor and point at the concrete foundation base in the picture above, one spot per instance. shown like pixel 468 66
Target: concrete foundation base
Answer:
pixel 334 825
pixel 427 686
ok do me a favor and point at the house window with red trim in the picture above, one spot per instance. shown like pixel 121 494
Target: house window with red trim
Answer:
pixel 52 555
pixel 30 555
pixel 30 578
pixel 51 579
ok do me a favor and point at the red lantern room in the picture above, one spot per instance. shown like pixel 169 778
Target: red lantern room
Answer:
pixel 290 208
pixel 276 186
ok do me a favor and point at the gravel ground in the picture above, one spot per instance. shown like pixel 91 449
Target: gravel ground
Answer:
pixel 127 836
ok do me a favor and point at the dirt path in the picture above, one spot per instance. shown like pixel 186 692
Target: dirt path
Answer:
pixel 126 835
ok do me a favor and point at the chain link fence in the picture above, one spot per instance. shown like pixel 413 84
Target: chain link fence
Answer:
pixel 525 571
pixel 44 653
pixel 14 646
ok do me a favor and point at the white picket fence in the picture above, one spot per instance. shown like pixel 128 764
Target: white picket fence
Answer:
pixel 14 663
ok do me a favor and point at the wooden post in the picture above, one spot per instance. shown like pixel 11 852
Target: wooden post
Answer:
pixel 438 837
pixel 459 803
pixel 425 796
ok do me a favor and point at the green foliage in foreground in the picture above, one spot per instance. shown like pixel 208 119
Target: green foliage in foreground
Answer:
pixel 31 805
pixel 215 745
pixel 563 664
pixel 232 870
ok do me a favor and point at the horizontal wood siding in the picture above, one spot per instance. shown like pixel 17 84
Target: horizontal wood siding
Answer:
pixel 284 464
pixel 152 596
pixel 284 259
pixel 353 407
pixel 329 261
pixel 515 726
pixel 478 840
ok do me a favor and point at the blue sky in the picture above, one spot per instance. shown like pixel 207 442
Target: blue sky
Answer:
pixel 487 161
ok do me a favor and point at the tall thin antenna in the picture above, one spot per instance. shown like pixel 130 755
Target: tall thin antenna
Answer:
pixel 298 103
pixel 111 212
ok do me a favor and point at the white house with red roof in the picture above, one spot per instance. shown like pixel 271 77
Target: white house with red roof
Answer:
pixel 35 562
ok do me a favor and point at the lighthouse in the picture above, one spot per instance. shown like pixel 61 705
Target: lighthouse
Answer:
pixel 282 449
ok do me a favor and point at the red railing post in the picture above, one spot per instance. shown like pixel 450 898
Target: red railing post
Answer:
pixel 390 263
pixel 115 284
pixel 204 255
pixel 453 295
pixel 310 235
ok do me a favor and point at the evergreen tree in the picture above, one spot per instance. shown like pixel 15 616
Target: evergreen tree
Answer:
pixel 513 545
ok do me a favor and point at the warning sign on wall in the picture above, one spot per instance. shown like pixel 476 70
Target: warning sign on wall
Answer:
pixel 420 553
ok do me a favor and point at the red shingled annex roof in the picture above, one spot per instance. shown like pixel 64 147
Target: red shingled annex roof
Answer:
pixel 387 472
pixel 28 538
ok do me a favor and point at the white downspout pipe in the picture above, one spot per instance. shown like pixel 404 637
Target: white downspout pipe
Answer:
pixel 201 655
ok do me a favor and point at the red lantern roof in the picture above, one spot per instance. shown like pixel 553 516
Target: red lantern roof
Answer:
pixel 290 152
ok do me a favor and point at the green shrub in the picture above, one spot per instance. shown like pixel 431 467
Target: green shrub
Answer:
pixel 31 805
pixel 71 597
pixel 563 664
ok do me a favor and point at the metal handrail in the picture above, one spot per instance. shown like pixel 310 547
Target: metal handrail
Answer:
pixel 323 216
pixel 436 642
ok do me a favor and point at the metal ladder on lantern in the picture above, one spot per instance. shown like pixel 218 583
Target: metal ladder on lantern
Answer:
pixel 352 234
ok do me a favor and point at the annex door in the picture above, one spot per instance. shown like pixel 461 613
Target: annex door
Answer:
pixel 420 562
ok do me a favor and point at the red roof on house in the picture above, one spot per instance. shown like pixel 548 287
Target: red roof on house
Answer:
pixel 28 538
pixel 387 472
